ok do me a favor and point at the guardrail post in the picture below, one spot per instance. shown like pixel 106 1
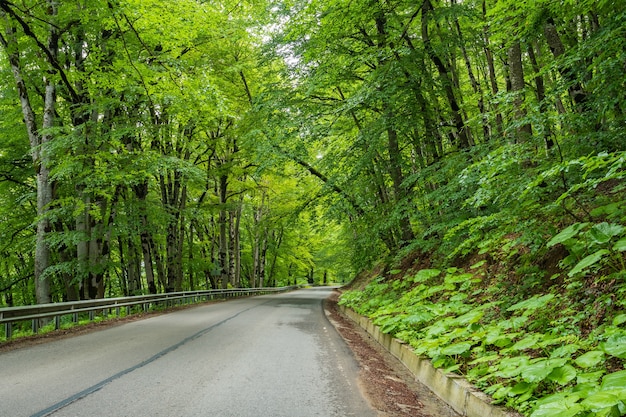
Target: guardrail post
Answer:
pixel 75 318
pixel 35 325
pixel 57 322
pixel 8 330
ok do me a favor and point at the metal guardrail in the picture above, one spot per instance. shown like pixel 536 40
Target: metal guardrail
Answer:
pixel 35 313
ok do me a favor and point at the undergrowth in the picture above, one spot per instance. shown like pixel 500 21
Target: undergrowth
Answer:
pixel 528 304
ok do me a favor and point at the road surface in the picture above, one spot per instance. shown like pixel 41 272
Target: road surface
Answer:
pixel 273 355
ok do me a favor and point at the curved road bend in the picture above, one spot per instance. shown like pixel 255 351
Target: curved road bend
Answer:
pixel 272 356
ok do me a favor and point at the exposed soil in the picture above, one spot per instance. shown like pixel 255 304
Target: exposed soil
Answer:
pixel 386 382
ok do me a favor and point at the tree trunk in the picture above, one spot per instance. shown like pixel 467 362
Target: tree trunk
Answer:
pixel 132 267
pixel 147 243
pixel 44 187
pixel 44 198
pixel 82 247
pixel 97 252
pixel 462 133
pixel 263 260
pixel 191 268
pixel 170 250
pixel 204 235
pixel 174 196
pixel 234 268
pixel 476 87
pixel 278 240
pixel 576 90
pixel 123 276
pixel 397 177
pixel 147 247
pixel 223 237
pixel 492 72
pixel 290 275
pixel 516 73
pixel 540 92
pixel 232 245
pixel 255 261
pixel 237 253
pixel 431 148
pixel 393 147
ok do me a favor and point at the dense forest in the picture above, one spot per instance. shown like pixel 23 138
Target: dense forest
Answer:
pixel 132 154
pixel 469 154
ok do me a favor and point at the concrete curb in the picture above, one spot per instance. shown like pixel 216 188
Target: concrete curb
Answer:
pixel 462 396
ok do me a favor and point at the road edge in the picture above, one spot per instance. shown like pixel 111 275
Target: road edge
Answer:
pixel 455 390
pixel 386 383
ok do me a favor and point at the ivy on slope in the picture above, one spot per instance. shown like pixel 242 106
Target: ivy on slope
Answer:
pixel 545 343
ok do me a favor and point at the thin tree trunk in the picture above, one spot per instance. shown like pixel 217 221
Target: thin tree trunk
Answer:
pixel 174 199
pixel 147 242
pixel 278 242
pixel 393 146
pixel 237 253
pixel 191 270
pixel 203 235
pixel 476 87
pixel 255 261
pixel 541 98
pixel 123 277
pixel 181 238
pixel 234 264
pixel 516 72
pixel 576 90
pixel 232 245
pixel 492 72
pixel 263 260
pixel 397 177
pixel 223 237
pixel 82 247
pixel 259 244
pixel 464 140
pixel 133 269
pixel 147 247
pixel 98 250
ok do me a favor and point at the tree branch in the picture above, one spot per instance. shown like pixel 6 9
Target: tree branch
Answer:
pixel 5 5
pixel 313 171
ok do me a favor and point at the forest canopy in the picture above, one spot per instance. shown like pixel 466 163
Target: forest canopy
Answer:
pixel 168 145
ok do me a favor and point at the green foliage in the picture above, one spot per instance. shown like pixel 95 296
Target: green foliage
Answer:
pixel 514 352
pixel 591 247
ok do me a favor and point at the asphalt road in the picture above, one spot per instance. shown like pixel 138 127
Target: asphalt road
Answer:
pixel 269 356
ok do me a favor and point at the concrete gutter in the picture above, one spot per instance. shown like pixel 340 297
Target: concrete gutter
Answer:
pixel 462 396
